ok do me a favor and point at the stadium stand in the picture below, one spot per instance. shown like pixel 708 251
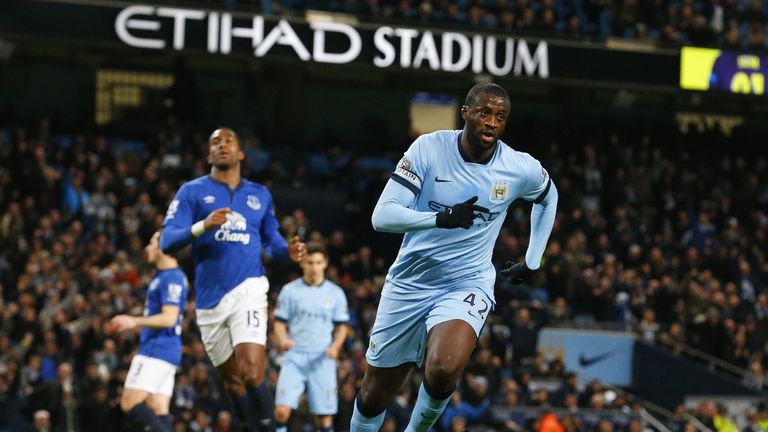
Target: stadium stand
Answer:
pixel 733 24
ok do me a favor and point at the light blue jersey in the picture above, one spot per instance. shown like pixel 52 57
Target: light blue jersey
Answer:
pixel 435 170
pixel 311 313
pixel 168 288
pixel 231 253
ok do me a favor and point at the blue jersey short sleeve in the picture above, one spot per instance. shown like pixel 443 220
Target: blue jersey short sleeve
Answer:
pixel 174 294
pixel 167 288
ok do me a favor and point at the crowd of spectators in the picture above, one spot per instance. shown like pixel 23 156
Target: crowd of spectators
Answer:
pixel 733 24
pixel 663 239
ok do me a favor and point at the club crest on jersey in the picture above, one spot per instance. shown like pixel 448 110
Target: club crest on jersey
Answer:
pixel 253 202
pixel 500 190
pixel 209 199
pixel 228 231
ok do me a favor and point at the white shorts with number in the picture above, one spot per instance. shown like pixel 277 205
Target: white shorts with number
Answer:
pixel 240 317
pixel 151 375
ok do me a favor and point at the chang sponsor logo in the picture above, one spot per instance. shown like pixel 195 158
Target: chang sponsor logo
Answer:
pixel 232 230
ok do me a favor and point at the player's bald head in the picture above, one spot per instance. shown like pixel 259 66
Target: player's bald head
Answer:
pixel 485 88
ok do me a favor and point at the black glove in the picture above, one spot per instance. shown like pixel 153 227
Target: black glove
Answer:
pixel 461 215
pixel 517 273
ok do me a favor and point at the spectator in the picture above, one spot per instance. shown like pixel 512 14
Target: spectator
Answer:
pixel 42 421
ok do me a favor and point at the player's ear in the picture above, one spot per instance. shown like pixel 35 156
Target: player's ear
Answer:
pixel 464 112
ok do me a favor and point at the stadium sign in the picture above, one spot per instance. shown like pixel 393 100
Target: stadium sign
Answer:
pixel 180 29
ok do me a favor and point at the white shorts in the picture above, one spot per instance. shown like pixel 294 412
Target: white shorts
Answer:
pixel 151 375
pixel 240 317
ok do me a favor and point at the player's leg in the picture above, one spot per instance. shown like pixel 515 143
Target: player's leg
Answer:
pixel 251 364
pixel 454 325
pixel 290 386
pixel 448 350
pixel 398 340
pixel 160 399
pixel 324 423
pixel 139 383
pixel 282 414
pixel 322 392
pixel 160 404
pixel 218 345
pixel 248 330
pixel 230 375
pixel 380 385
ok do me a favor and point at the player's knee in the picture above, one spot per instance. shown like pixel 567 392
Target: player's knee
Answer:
pixel 158 405
pixel 442 374
pixel 233 384
pixel 371 402
pixel 282 413
pixel 324 421
pixel 127 402
pixel 254 379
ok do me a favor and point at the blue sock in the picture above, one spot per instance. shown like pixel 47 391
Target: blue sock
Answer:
pixel 363 423
pixel 243 411
pixel 281 427
pixel 427 409
pixel 263 406
pixel 167 421
pixel 142 414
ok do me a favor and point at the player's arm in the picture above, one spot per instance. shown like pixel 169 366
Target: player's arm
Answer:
pixel 542 220
pixel 282 315
pixel 340 332
pixel 544 196
pixel 165 319
pixel 179 228
pixel 392 212
pixel 341 329
pixel 284 343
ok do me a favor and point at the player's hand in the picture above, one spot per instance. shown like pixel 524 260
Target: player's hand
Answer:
pixel 333 352
pixel 460 215
pixel 285 344
pixel 123 322
pixel 216 218
pixel 297 249
pixel 517 273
